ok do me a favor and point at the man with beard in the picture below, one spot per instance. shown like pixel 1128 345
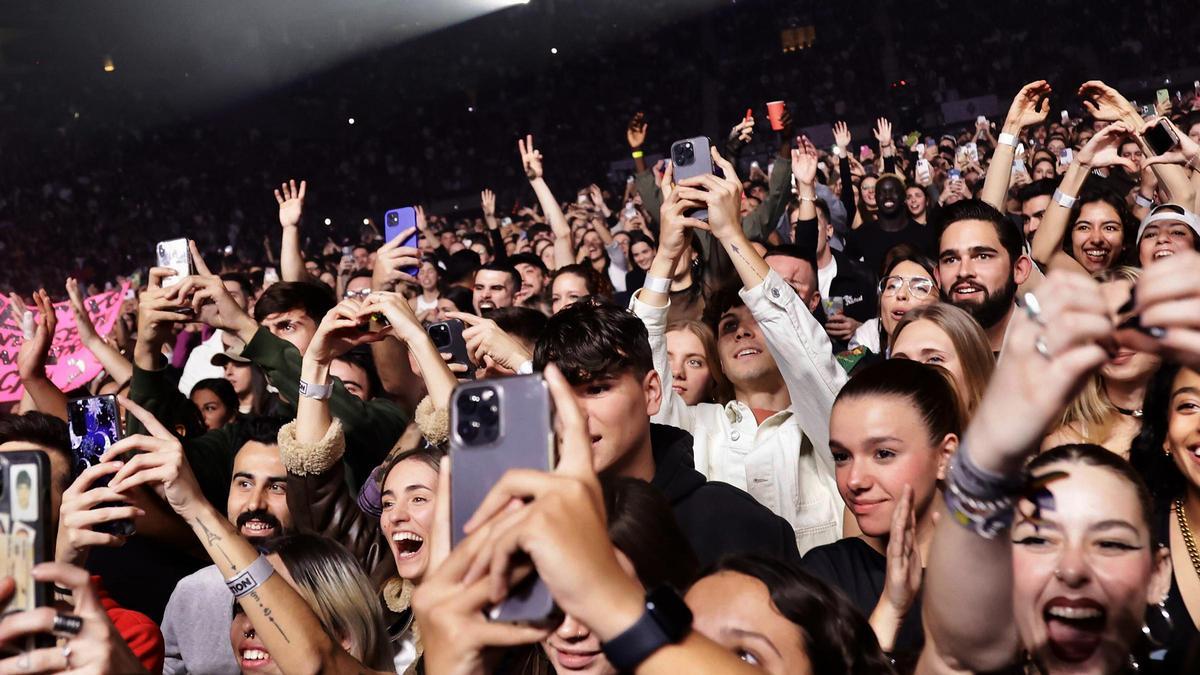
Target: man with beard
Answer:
pixel 196 621
pixel 874 238
pixel 981 263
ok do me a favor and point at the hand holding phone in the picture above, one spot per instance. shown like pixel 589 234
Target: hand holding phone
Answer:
pixel 692 157
pixel 1161 137
pixel 176 255
pixel 94 426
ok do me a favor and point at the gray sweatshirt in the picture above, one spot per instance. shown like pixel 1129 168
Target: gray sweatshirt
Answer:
pixel 195 626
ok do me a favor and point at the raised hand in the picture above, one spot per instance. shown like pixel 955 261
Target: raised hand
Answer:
pixel 83 322
pixel 1105 103
pixel 902 582
pixel 340 330
pixel 1187 153
pixel 635 133
pixel 741 133
pixel 1168 302
pixel 158 463
pixel 723 196
pixel 390 259
pixel 1030 106
pixel 883 132
pixel 804 162
pixel 79 514
pixel 486 339
pixel 291 202
pixel 675 229
pixel 1103 149
pixel 531 158
pixel 841 135
pixel 487 200
pixel 31 359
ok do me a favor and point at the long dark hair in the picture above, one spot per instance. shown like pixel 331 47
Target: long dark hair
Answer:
pixel 1146 452
pixel 1102 190
pixel 837 638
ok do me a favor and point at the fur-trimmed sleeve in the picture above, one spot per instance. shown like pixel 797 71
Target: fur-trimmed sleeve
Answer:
pixel 307 459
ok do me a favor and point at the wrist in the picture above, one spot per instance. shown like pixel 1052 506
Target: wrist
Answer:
pixel 623 604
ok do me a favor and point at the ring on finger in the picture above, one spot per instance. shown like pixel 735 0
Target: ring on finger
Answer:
pixel 1033 308
pixel 1040 345
pixel 66 625
pixel 66 652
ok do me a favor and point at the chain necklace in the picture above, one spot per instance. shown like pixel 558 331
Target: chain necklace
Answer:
pixel 1188 539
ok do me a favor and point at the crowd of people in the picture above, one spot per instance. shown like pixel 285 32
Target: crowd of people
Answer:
pixel 919 403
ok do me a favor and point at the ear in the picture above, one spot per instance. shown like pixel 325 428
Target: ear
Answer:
pixel 946 450
pixel 814 301
pixel 1160 576
pixel 1022 269
pixel 652 388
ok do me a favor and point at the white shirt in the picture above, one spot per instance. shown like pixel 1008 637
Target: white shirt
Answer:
pixel 867 335
pixel 825 276
pixel 785 462
pixel 199 364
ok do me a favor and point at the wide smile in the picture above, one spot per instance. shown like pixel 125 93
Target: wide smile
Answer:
pixel 253 658
pixel 747 353
pixel 257 528
pixel 967 290
pixel 1096 254
pixel 1163 253
pixel 407 544
pixel 1074 627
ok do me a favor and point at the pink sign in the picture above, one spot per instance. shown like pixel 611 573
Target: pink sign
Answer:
pixel 69 364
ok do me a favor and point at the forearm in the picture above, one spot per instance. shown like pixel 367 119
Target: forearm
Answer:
pixel 749 264
pixel 46 397
pixel 113 361
pixel 312 416
pixel 291 261
pixel 281 618
pixel 963 617
pixel 147 354
pixel 439 379
pixel 1174 180
pixel 885 622
pixel 1050 233
pixel 663 267
pixel 563 250
pixel 999 173
pixel 808 204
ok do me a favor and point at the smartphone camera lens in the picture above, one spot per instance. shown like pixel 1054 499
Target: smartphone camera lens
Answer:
pixel 490 414
pixel 468 404
pixel 393 218
pixel 468 429
pixel 440 334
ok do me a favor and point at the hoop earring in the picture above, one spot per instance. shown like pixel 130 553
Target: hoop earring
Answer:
pixel 1163 619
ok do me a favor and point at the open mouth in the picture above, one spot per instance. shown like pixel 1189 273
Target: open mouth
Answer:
pixel 898 314
pixel 1096 255
pixel 1074 627
pixel 1163 253
pixel 257 528
pixel 889 204
pixel 408 544
pixel 486 304
pixel 254 659
pixel 747 353
pixel 967 290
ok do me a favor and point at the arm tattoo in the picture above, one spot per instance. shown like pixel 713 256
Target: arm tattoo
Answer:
pixel 212 539
pixel 738 251
pixel 270 617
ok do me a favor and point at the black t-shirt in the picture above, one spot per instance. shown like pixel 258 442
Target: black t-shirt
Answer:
pixel 1184 642
pixel 872 243
pixel 858 570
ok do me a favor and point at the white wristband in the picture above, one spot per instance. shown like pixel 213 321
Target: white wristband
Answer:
pixel 1006 139
pixel 1063 199
pixel 251 578
pixel 320 392
pixel 1143 201
pixel 657 284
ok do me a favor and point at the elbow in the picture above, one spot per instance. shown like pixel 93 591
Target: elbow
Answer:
pixel 985 651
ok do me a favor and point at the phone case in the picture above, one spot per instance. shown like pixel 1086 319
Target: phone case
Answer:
pixel 692 157
pixel 507 424
pixel 447 336
pixel 24 530
pixel 94 425
pixel 395 223
pixel 174 253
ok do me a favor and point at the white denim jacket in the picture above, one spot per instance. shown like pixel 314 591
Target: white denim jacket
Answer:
pixel 785 462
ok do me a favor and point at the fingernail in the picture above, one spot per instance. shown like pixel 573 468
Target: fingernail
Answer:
pixel 1156 332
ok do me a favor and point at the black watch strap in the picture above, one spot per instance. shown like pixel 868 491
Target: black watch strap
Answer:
pixel 667 620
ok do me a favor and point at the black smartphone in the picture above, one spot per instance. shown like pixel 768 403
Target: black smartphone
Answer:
pixel 25 534
pixel 174 253
pixel 1161 137
pixel 94 425
pixel 692 157
pixel 447 336
pixel 497 425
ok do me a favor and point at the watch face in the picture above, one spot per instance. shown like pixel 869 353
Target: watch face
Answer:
pixel 669 610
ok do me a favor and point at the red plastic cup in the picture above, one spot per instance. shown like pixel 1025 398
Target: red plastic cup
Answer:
pixel 775 115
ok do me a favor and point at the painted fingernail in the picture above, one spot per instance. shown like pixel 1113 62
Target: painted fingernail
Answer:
pixel 1156 332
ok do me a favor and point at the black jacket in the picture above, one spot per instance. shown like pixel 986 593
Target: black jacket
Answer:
pixel 855 283
pixel 717 518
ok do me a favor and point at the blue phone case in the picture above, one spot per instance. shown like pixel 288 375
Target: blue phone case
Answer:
pixel 395 223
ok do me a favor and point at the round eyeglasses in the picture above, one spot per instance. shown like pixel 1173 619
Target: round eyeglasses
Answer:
pixel 918 287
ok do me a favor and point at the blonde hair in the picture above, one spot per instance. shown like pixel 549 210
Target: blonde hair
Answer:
pixel 1091 415
pixel 721 390
pixel 334 585
pixel 971 345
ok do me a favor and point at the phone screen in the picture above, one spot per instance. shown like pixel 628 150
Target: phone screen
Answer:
pixel 22 475
pixel 1160 138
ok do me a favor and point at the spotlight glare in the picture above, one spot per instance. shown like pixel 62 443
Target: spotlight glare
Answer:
pixel 554 50
pixel 350 121
pixel 366 221
pixel 328 221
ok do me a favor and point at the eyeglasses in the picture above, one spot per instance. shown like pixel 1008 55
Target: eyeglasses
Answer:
pixel 360 294
pixel 918 287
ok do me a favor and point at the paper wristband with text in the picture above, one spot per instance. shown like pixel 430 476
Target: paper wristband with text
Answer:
pixel 251 578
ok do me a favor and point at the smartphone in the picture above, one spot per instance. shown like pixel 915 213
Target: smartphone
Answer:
pixel 864 151
pixel 692 157
pixel 1160 137
pixel 497 425
pixel 93 426
pixel 447 336
pixel 954 174
pixel 1163 97
pixel 1065 157
pixel 347 254
pixel 924 171
pixel 25 534
pixel 270 276
pixel 1066 118
pixel 395 223
pixel 174 253
pixel 972 151
pixel 630 210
